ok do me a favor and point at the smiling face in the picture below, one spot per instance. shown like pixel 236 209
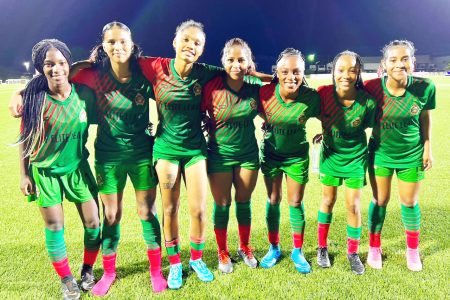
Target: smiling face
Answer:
pixel 118 44
pixel 290 71
pixel 346 73
pixel 188 44
pixel 56 69
pixel 236 62
pixel 398 62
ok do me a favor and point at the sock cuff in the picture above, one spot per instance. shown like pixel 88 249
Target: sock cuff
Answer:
pixel 324 218
pixel 354 232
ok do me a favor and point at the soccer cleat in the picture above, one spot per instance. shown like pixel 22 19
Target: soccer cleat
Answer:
pixel 87 279
pixel 300 262
pixel 225 264
pixel 355 263
pixel 413 260
pixel 245 252
pixel 203 273
pixel 323 259
pixel 70 288
pixel 159 283
pixel 175 278
pixel 374 258
pixel 271 258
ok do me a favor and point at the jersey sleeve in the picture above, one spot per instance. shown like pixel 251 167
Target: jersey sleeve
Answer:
pixel 371 113
pixel 210 71
pixel 253 80
pixel 430 94
pixel 149 65
pixel 86 77
pixel 206 96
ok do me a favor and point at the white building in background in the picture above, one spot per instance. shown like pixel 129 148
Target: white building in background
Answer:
pixel 425 63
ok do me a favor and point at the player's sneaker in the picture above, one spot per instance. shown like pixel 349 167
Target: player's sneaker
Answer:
pixel 323 260
pixel 70 288
pixel 245 252
pixel 271 258
pixel 225 264
pixel 300 262
pixel 87 279
pixel 355 263
pixel 203 273
pixel 175 278
pixel 413 260
pixel 374 258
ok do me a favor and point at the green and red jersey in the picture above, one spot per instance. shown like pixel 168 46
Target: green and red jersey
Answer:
pixel 65 124
pixel 123 116
pixel 397 140
pixel 344 144
pixel 285 134
pixel 231 131
pixel 178 101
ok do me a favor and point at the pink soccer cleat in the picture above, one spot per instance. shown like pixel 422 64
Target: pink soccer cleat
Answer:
pixel 413 260
pixel 374 258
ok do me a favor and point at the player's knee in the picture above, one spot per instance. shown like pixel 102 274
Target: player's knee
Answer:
pixel 170 211
pixel 354 209
pixel 328 201
pixel 112 218
pixel 54 225
pixel 275 198
pixel 198 214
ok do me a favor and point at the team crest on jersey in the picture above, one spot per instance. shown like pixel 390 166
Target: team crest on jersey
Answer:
pixel 414 109
pixel 302 119
pixel 139 99
pixel 83 116
pixel 197 89
pixel 253 104
pixel 356 122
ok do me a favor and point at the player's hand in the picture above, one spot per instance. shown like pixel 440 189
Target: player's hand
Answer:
pixel 16 104
pixel 206 123
pixel 427 160
pixel 317 139
pixel 27 185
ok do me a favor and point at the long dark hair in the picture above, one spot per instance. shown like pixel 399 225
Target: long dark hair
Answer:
pixel 34 95
pixel 101 60
pixel 359 82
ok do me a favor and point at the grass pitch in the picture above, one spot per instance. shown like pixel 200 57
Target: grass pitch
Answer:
pixel 26 273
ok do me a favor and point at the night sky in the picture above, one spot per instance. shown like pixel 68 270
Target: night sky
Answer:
pixel 323 27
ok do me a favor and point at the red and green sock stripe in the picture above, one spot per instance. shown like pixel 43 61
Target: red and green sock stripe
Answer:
pixel 273 222
pixel 353 237
pixel 197 246
pixel 221 215
pixel 56 248
pixel 173 251
pixel 376 217
pixel 244 218
pixel 411 218
pixel 324 221
pixel 110 238
pixel 297 220
pixel 92 242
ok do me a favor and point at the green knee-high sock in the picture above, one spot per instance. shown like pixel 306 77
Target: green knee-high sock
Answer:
pixel 151 232
pixel 297 220
pixel 244 213
pixel 92 238
pixel 110 238
pixel 411 217
pixel 55 244
pixel 376 217
pixel 221 215
pixel 273 222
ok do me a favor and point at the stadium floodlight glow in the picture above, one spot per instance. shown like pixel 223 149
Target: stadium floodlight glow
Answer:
pixel 311 57
pixel 26 64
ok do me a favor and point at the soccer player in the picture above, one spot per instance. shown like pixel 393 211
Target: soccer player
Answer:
pixel 53 156
pixel 401 143
pixel 233 160
pixel 180 147
pixel 284 151
pixel 123 147
pixel 346 111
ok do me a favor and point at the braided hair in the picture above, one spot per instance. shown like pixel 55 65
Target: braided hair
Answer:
pixel 34 96
pixel 286 53
pixel 359 82
pixel 100 58
pixel 404 43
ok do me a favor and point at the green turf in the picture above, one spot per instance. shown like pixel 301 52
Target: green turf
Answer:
pixel 25 271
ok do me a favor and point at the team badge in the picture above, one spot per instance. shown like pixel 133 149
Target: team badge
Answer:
pixel 356 122
pixel 100 180
pixel 197 89
pixel 83 116
pixel 414 109
pixel 302 119
pixel 139 99
pixel 253 104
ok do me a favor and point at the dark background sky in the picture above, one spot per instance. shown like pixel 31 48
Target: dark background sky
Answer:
pixel 322 27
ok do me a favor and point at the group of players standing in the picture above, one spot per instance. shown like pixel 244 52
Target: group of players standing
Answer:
pixel 56 114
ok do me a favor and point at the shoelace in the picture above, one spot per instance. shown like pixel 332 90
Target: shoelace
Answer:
pixel 247 251
pixel 176 272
